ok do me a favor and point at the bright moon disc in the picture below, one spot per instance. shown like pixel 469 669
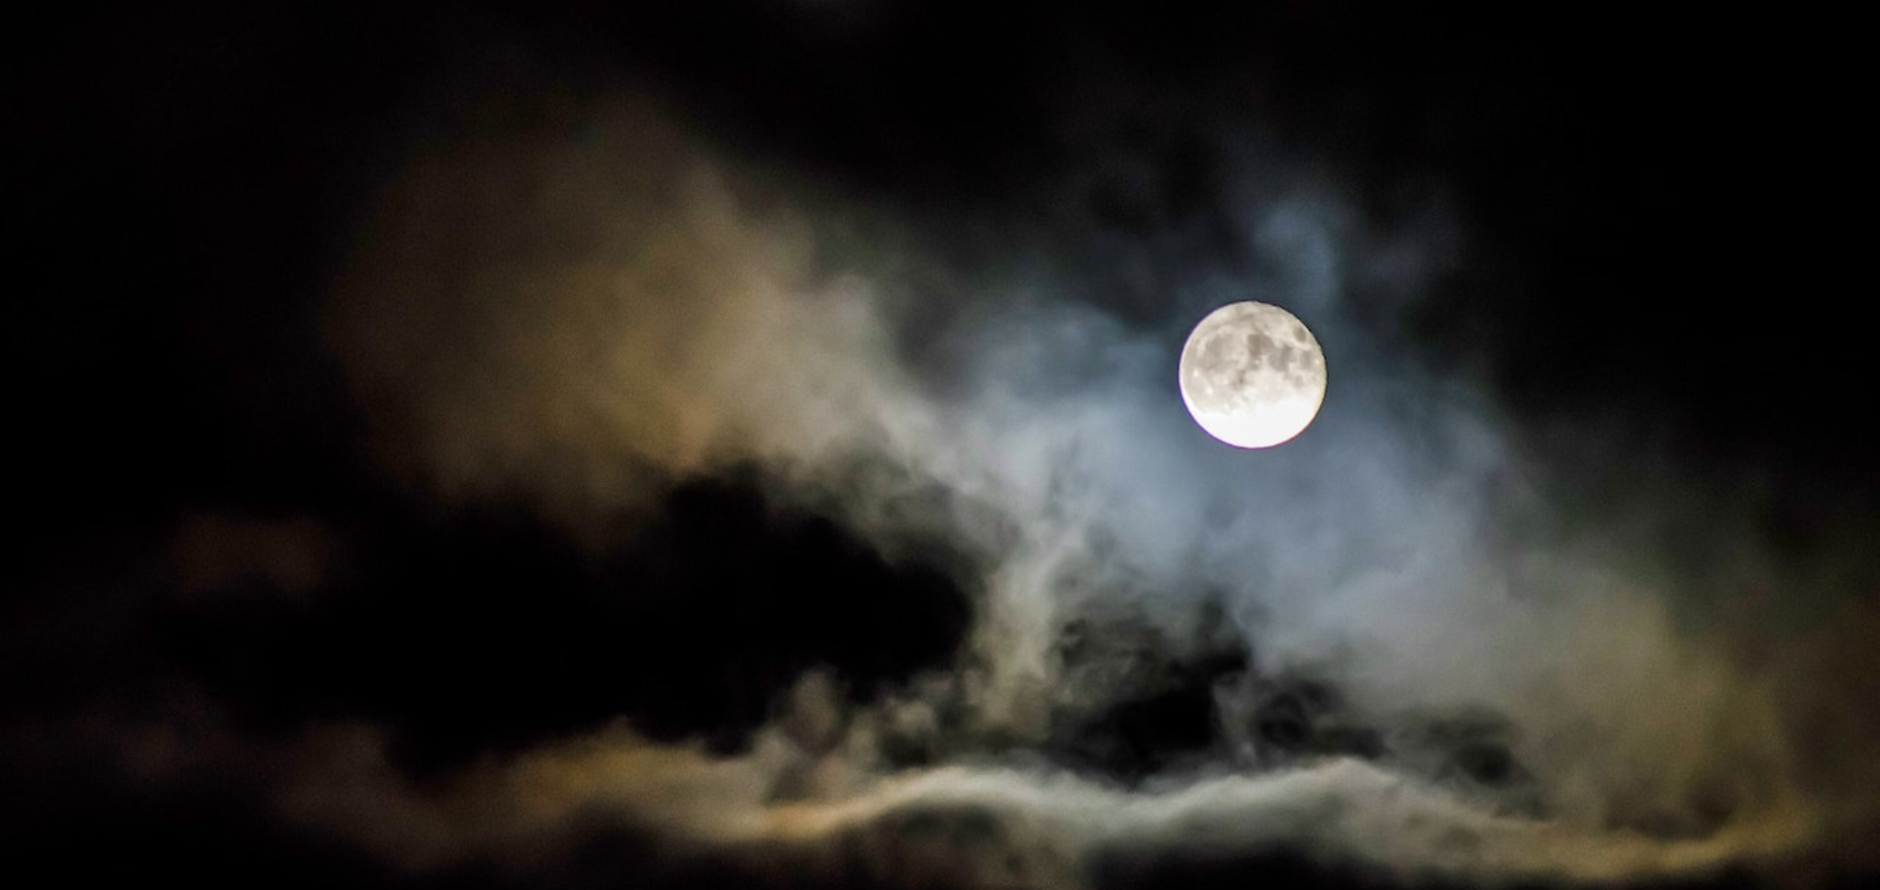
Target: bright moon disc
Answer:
pixel 1252 375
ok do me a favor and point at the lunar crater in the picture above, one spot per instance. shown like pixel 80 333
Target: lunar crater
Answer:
pixel 1244 382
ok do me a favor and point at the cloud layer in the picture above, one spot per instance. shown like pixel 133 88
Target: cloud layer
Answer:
pixel 578 313
pixel 718 520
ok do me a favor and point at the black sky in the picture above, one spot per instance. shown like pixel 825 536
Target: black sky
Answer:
pixel 1662 215
pixel 1656 198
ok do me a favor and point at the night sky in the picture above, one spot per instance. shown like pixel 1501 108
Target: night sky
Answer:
pixel 737 444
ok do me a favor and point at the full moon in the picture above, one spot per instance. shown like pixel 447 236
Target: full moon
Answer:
pixel 1252 375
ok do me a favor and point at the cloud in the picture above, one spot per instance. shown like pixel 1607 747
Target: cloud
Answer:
pixel 638 299
pixel 818 499
pixel 985 826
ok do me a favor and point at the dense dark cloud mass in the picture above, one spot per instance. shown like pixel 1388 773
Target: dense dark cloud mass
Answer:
pixel 699 445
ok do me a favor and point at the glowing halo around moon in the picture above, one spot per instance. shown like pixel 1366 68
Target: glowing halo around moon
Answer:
pixel 1252 375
